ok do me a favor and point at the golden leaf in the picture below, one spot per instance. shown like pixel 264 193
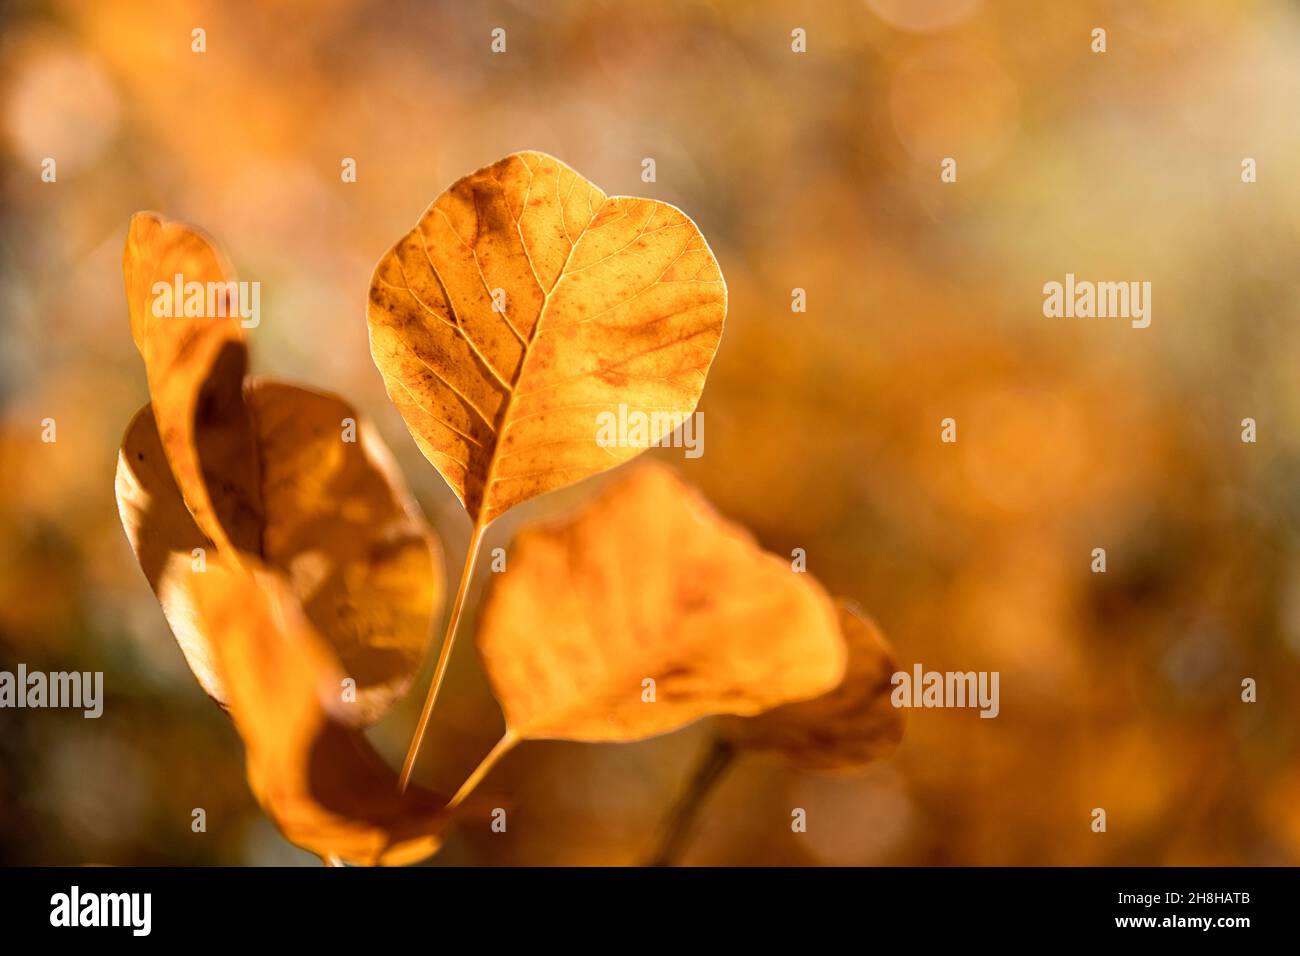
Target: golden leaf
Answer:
pixel 600 301
pixel 845 729
pixel 338 523
pixel 166 540
pixel 318 779
pixel 649 583
pixel 195 366
pixel 344 528
pixel 523 308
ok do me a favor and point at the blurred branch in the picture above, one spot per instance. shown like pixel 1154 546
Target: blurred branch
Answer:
pixel 680 821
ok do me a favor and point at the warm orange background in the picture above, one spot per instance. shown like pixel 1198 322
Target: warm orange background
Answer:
pixel 817 171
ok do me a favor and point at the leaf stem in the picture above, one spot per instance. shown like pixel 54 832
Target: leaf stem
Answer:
pixel 502 747
pixel 444 656
pixel 681 819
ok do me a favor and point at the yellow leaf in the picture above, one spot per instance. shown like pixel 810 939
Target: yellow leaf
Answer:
pixel 318 779
pixel 845 729
pixel 195 366
pixel 166 540
pixel 523 305
pixel 649 584
pixel 342 525
pixel 339 525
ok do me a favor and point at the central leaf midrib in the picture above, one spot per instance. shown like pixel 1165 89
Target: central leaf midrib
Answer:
pixel 547 295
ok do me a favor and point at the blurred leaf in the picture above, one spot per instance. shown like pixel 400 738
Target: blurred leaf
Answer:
pixel 845 729
pixel 322 782
pixel 343 527
pixel 606 301
pixel 648 582
pixel 195 367
pixel 339 524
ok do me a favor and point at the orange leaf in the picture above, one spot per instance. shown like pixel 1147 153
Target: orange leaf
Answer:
pixel 339 525
pixel 283 475
pixel 318 779
pixel 844 729
pixel 195 366
pixel 523 305
pixel 648 583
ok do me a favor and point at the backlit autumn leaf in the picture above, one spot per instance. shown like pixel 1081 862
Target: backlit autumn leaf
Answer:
pixel 195 366
pixel 318 779
pixel 649 583
pixel 523 307
pixel 600 301
pixel 844 729
pixel 338 523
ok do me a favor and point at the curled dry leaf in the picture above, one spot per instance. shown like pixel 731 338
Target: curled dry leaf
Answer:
pixel 288 557
pixel 166 541
pixel 318 779
pixel 845 729
pixel 195 366
pixel 648 582
pixel 524 304
pixel 343 527
pixel 338 523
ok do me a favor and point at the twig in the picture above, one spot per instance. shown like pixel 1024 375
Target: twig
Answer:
pixel 503 747
pixel 444 657
pixel 681 819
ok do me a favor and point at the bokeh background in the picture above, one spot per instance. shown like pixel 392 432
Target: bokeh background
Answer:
pixel 820 171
